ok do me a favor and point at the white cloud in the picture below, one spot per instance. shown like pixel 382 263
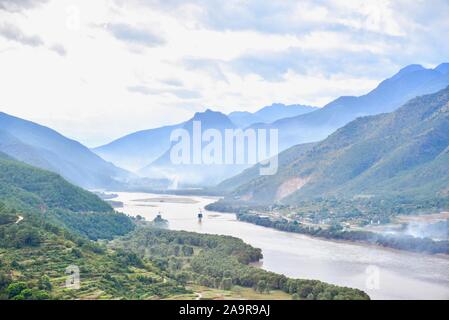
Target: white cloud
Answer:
pixel 96 70
pixel 19 5
pixel 13 33
pixel 134 35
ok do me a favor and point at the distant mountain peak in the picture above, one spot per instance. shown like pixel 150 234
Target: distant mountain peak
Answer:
pixel 408 69
pixel 409 163
pixel 412 68
pixel 209 114
pixel 211 119
pixel 443 68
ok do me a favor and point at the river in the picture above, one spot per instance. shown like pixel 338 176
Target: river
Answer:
pixel 382 273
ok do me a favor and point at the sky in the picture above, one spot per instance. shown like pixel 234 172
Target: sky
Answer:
pixel 99 69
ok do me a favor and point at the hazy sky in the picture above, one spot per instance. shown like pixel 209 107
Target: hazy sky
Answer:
pixel 95 70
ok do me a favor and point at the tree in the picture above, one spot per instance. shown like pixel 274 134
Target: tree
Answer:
pixel 15 289
pixel 5 280
pixel 187 251
pixel 226 284
pixel 27 237
pixel 44 283
pixel 296 296
pixel 261 286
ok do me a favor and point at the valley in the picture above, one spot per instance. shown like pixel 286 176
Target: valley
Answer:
pixel 339 262
pixel 58 241
pixel 339 218
pixel 224 150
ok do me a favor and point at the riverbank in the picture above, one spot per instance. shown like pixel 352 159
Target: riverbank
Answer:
pixel 402 274
pixel 399 242
pixel 407 243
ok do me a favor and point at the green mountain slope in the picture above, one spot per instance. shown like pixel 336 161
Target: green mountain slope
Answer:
pixel 36 188
pixel 400 154
pixel 251 174
pixel 47 195
pixel 45 148
pixel 35 255
pixel 45 227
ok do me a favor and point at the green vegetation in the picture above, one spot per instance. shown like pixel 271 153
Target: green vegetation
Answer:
pixel 401 157
pixel 368 172
pixel 47 197
pixel 333 210
pixel 32 187
pixel 220 262
pixel 251 174
pixel 48 225
pixel 337 232
pixel 45 226
pixel 34 258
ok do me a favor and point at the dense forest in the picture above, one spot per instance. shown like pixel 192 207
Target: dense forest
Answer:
pixel 221 262
pixel 28 186
pixel 48 197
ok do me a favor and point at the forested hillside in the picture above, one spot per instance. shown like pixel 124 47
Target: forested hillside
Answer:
pixel 50 197
pixel 35 254
pixel 402 155
pixel 252 173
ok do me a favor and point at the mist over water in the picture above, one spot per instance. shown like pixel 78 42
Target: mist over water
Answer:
pixel 435 230
pixel 400 275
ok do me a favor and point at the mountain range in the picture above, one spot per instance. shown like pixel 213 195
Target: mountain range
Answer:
pixel 191 174
pixel 139 149
pixel 268 114
pixel 390 94
pixel 47 149
pixel 402 154
pixel 145 152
